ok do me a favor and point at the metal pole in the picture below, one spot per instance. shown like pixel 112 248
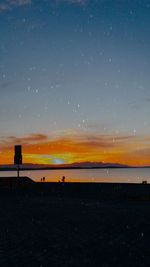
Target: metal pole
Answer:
pixel 18 170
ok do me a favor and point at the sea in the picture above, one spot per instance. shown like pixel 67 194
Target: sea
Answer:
pixel 115 175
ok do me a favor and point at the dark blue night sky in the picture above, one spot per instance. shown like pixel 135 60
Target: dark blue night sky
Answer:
pixel 75 66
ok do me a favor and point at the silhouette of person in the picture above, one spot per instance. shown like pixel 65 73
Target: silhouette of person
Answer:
pixel 43 179
pixel 63 179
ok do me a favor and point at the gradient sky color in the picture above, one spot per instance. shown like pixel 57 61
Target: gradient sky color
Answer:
pixel 75 80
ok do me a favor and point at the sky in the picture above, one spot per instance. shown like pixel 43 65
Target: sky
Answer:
pixel 75 81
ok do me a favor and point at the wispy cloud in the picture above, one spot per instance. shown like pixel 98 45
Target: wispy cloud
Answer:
pixel 82 2
pixel 19 2
pixel 31 138
pixel 10 4
pixel 78 2
pixel 147 99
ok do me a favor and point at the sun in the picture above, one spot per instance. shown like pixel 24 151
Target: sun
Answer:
pixel 58 161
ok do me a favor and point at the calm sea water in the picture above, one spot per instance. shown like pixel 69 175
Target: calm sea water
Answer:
pixel 131 175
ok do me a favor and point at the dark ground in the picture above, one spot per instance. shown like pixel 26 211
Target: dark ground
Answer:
pixel 57 229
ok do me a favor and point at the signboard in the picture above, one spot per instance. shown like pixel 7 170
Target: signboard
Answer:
pixel 18 155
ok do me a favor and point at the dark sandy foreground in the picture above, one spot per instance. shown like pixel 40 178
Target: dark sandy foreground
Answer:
pixel 60 225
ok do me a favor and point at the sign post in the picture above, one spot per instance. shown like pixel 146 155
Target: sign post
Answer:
pixel 18 157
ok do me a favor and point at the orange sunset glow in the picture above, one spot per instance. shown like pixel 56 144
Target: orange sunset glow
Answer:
pixel 78 147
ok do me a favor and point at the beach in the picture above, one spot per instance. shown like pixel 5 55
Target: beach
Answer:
pixel 49 224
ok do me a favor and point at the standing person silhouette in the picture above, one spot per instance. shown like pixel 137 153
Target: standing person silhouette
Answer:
pixel 63 179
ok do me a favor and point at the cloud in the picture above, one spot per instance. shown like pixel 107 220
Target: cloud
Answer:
pixel 77 147
pixel 4 6
pixel 10 4
pixel 10 141
pixel 7 85
pixel 69 143
pixel 147 99
pixel 80 2
pixel 19 2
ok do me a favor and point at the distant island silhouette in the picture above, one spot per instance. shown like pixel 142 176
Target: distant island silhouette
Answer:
pixel 77 165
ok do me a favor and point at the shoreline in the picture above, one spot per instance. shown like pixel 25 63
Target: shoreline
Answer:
pixel 72 168
pixel 89 190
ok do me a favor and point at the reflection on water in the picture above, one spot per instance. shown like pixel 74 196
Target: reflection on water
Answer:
pixel 131 175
